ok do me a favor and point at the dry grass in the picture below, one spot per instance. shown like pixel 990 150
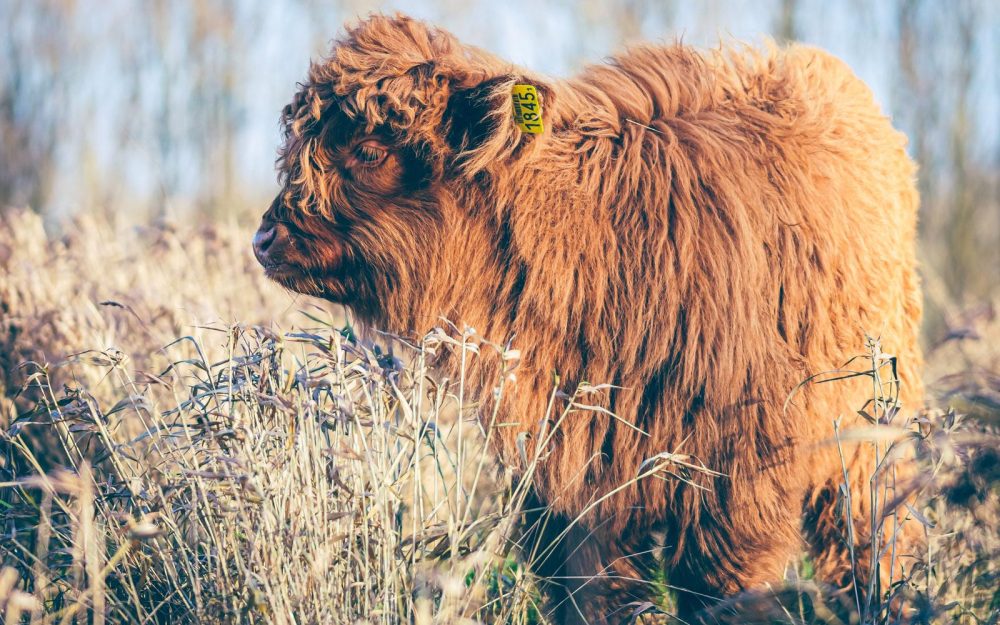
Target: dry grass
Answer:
pixel 292 473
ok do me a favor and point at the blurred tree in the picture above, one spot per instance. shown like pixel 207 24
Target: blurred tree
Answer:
pixel 29 92
pixel 785 29
pixel 960 232
pixel 938 92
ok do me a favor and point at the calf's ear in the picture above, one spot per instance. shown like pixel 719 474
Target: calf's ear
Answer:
pixel 480 125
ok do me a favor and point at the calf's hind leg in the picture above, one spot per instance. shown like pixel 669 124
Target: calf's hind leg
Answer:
pixel 829 535
pixel 588 576
pixel 740 537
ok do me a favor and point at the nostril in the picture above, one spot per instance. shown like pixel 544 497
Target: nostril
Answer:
pixel 262 240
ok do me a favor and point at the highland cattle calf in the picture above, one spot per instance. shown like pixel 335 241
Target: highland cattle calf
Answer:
pixel 703 230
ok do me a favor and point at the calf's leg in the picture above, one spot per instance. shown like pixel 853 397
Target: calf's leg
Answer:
pixel 588 576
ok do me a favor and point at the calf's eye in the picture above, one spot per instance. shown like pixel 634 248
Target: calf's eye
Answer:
pixel 370 153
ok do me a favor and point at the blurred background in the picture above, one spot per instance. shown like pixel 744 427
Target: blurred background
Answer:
pixel 169 108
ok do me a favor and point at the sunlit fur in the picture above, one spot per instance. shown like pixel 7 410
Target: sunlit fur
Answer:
pixel 702 229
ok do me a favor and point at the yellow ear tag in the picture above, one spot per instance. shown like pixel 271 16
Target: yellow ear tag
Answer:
pixel 527 109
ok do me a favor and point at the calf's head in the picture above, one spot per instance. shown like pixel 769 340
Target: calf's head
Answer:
pixel 393 150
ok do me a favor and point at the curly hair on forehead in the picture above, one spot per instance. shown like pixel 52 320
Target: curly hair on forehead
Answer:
pixel 685 228
pixel 399 78
pixel 384 74
pixel 377 78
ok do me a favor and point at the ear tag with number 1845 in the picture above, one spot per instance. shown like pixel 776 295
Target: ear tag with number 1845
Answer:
pixel 527 109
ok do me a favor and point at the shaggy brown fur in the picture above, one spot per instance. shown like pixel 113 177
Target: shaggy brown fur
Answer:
pixel 703 230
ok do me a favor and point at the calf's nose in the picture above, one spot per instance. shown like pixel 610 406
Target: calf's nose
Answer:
pixel 263 239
